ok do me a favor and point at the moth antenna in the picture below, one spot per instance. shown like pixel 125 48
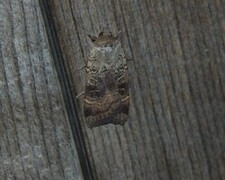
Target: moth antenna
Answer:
pixel 101 33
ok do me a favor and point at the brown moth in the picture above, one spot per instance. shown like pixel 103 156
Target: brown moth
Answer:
pixel 106 96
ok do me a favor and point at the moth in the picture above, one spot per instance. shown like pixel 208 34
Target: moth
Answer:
pixel 106 95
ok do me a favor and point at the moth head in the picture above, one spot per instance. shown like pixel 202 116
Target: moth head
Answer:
pixel 104 38
pixel 104 33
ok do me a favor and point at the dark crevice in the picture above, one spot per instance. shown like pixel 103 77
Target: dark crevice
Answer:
pixel 65 86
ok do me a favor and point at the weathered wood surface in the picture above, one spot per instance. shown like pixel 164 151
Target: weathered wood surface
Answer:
pixel 176 127
pixel 177 84
pixel 177 116
pixel 35 137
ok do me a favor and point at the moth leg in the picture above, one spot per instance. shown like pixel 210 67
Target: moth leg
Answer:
pixel 76 70
pixel 79 95
pixel 130 60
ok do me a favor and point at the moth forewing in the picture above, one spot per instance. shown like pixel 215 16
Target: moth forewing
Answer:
pixel 106 97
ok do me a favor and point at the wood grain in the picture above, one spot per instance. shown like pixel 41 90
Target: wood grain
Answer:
pixel 36 141
pixel 176 123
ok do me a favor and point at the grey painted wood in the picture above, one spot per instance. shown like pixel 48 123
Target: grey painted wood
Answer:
pixel 36 142
pixel 177 116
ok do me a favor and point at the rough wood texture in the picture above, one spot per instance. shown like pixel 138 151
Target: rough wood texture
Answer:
pixel 35 140
pixel 177 116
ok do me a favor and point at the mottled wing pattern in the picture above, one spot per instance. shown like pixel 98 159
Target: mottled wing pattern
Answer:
pixel 106 98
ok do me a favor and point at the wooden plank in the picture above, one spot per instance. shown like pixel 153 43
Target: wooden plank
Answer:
pixel 176 126
pixel 176 123
pixel 36 141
